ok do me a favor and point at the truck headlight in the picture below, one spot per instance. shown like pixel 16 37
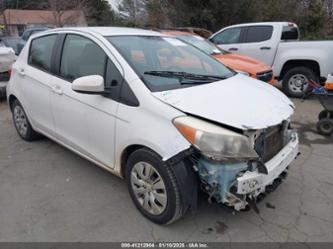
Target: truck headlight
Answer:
pixel 215 142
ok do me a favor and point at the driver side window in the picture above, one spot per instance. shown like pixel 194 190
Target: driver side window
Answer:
pixel 81 57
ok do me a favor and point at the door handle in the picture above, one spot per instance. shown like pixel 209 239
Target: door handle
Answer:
pixel 233 49
pixel 265 48
pixel 57 89
pixel 21 71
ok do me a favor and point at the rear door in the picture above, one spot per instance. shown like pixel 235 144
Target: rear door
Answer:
pixel 258 42
pixel 35 79
pixel 229 39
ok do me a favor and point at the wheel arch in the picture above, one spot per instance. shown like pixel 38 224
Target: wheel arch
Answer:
pixel 11 100
pixel 311 64
pixel 126 154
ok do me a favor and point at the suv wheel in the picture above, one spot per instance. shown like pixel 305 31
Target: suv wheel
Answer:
pixel 22 124
pixel 154 188
pixel 295 82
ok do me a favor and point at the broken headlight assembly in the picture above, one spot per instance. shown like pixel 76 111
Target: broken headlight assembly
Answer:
pixel 215 142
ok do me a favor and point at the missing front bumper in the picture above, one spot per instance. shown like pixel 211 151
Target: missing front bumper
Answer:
pixel 234 185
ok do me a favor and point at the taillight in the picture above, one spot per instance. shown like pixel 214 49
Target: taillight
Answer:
pixel 9 72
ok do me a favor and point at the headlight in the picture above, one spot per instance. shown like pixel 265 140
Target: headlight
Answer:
pixel 214 141
pixel 242 72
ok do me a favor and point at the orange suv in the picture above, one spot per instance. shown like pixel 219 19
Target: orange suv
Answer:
pixel 240 63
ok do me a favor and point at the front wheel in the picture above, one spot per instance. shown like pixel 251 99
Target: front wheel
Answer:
pixel 154 188
pixel 296 81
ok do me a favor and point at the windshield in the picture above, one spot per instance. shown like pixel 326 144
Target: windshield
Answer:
pixel 166 63
pixel 202 44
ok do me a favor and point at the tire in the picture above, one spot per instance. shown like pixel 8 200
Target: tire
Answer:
pixel 22 124
pixel 167 209
pixel 293 80
pixel 325 114
pixel 325 127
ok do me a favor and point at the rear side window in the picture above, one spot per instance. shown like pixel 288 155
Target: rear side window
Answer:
pixel 81 57
pixel 290 33
pixel 40 55
pixel 229 36
pixel 258 33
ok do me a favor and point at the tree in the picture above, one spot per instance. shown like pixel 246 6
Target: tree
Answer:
pixel 133 11
pixel 156 13
pixel 315 19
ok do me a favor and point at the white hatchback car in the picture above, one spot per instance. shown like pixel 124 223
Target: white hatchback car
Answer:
pixel 156 111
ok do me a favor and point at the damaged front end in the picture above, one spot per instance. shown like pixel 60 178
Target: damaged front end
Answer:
pixel 238 169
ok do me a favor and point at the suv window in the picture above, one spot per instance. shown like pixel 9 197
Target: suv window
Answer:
pixel 81 57
pixel 228 36
pixel 290 33
pixel 259 33
pixel 41 52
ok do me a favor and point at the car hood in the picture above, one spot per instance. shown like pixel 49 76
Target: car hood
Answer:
pixel 240 102
pixel 243 63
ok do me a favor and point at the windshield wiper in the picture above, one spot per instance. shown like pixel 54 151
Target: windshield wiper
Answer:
pixel 187 78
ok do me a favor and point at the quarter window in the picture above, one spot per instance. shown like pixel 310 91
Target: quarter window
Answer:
pixel 259 33
pixel 81 57
pixel 41 52
pixel 228 36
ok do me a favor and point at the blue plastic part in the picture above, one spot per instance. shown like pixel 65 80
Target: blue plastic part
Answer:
pixel 220 177
pixel 319 90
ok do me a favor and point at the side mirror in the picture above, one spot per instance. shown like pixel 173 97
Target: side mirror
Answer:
pixel 92 84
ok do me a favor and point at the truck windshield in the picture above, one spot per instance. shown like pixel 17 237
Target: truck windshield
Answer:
pixel 166 63
pixel 202 44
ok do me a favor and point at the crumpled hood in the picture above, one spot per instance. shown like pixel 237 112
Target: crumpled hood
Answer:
pixel 239 101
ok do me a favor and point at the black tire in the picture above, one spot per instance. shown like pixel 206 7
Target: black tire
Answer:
pixel 325 127
pixel 175 205
pixel 325 114
pixel 29 133
pixel 290 91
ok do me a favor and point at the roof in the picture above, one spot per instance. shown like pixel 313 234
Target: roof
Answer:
pixel 176 33
pixel 260 23
pixel 110 31
pixel 24 17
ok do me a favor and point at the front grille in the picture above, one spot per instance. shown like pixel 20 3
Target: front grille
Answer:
pixel 270 143
pixel 265 76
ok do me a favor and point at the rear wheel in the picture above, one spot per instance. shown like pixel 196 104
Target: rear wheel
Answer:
pixel 325 114
pixel 22 124
pixel 295 82
pixel 325 127
pixel 154 188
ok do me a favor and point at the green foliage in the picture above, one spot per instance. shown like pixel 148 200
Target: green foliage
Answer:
pixel 314 17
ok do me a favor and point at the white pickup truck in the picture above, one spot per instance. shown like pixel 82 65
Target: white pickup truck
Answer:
pixel 277 44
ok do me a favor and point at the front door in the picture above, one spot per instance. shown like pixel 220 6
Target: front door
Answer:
pixel 85 122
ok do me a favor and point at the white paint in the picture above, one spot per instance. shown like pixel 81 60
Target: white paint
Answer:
pixel 91 83
pixel 240 102
pixel 7 58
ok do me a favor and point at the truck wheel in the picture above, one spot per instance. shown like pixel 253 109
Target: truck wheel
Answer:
pixel 295 81
pixel 325 127
pixel 22 124
pixel 154 187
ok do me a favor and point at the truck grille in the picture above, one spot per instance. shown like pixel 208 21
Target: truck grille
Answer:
pixel 265 76
pixel 270 143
